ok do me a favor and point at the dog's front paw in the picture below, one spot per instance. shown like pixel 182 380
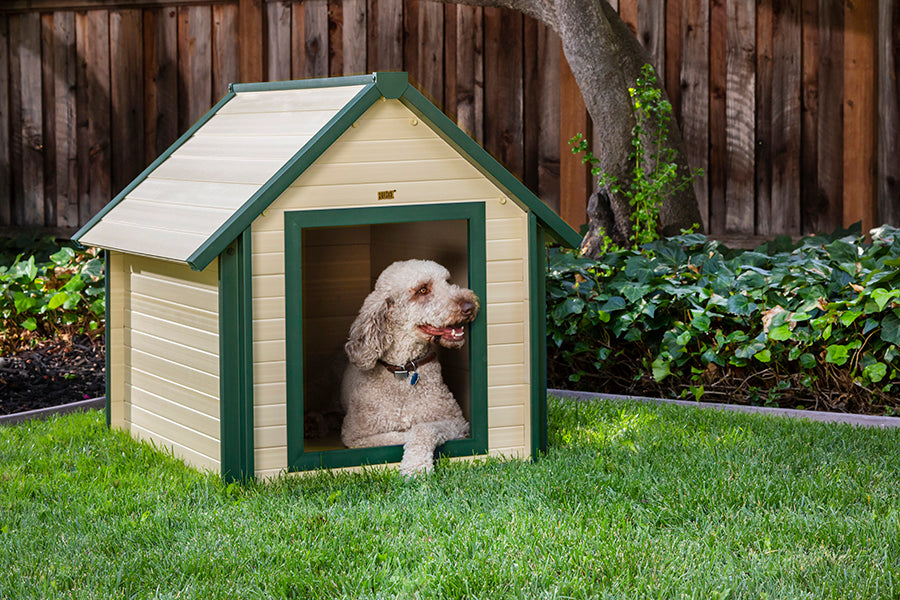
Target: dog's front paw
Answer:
pixel 416 460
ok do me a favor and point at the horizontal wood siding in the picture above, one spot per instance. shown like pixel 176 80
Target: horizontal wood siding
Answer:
pixel 342 178
pixel 168 381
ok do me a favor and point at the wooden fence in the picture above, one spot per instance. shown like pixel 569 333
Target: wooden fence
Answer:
pixel 790 106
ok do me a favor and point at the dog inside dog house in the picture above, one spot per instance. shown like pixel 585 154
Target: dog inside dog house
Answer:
pixel 241 260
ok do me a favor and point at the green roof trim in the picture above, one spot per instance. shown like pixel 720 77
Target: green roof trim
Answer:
pixel 159 160
pixel 306 156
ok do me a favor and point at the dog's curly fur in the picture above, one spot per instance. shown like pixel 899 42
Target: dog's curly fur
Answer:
pixel 413 307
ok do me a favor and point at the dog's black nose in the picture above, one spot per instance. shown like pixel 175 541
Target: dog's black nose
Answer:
pixel 467 308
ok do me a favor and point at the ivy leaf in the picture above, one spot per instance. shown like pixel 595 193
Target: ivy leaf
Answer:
pixel 700 322
pixel 62 257
pixel 807 360
pixel 57 300
pixel 764 355
pixel 661 368
pixel 875 372
pixel 780 333
pixel 882 297
pixel 30 324
pixel 890 327
pixel 740 305
pixel 837 354
pixel 848 316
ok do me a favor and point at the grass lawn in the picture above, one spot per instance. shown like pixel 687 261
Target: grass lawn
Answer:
pixel 631 501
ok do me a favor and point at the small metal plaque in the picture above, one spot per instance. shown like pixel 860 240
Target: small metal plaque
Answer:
pixel 386 195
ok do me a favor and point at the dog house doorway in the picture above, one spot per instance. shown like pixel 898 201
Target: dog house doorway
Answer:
pixel 332 259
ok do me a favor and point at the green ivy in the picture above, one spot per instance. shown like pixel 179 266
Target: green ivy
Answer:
pixel 39 300
pixel 816 320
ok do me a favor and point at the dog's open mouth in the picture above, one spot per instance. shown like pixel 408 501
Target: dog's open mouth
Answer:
pixel 454 333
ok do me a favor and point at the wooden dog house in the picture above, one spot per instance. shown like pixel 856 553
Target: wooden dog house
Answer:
pixel 238 259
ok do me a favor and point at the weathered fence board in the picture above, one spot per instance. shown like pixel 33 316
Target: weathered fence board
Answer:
pixel 789 106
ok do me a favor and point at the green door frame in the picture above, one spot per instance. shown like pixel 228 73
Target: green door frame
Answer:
pixel 295 222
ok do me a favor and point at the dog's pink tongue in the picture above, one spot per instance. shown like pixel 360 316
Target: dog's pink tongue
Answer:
pixel 447 332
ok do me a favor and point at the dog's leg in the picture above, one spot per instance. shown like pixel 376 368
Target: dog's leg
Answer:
pixel 391 438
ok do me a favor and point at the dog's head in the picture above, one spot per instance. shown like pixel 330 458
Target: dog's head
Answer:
pixel 413 304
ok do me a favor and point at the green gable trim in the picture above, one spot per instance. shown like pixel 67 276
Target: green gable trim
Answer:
pixel 295 223
pixel 392 85
pixel 537 322
pixel 306 156
pixel 489 167
pixel 159 160
pixel 236 361
pixel 302 84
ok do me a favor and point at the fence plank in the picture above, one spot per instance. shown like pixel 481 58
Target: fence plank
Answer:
pixel 739 113
pixel 431 50
pixel 385 33
pixel 411 38
pixel 278 41
pixel 194 63
pixel 354 37
pixel 786 129
pixel 651 25
pixel 628 11
pixel 695 97
pixel 542 111
pixel 127 94
pixel 859 113
pixel 503 87
pixel 470 70
pixel 826 213
pixel 674 53
pixel 48 117
pixel 66 150
pixel 26 119
pixel 335 37
pixel 226 60
pixel 5 163
pixel 889 117
pixel 92 107
pixel 810 108
pixel 315 38
pixel 764 108
pixel 251 23
pixel 160 81
pixel 450 44
pixel 575 178
pixel 718 172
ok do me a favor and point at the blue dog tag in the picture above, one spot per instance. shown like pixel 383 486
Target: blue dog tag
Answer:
pixel 414 379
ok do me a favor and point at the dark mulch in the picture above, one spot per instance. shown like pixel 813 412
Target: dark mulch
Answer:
pixel 53 373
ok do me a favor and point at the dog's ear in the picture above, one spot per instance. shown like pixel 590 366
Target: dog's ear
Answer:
pixel 370 333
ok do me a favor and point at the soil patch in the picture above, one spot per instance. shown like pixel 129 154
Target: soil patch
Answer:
pixel 52 373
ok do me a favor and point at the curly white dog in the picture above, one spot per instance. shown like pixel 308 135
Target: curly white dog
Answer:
pixel 392 391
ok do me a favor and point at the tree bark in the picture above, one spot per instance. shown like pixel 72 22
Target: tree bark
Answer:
pixel 606 59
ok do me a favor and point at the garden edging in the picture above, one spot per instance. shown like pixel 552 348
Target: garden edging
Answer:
pixel 827 417
pixel 43 413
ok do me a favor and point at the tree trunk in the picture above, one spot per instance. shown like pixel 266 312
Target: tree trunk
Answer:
pixel 606 60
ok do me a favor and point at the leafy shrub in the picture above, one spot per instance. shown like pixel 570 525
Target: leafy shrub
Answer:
pixel 816 323
pixel 62 296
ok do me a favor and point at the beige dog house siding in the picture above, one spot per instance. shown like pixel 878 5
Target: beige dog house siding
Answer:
pixel 199 272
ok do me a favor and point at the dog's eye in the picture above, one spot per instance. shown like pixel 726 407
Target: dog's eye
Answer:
pixel 423 291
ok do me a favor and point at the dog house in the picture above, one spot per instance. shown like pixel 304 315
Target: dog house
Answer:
pixel 237 261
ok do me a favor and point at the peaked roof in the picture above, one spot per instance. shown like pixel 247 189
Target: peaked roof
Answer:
pixel 195 217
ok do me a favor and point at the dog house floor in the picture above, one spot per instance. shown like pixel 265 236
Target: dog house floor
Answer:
pixel 323 444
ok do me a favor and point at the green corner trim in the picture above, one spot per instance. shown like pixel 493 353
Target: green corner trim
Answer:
pixel 286 175
pixel 295 223
pixel 106 334
pixel 236 361
pixel 537 287
pixel 159 160
pixel 489 167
